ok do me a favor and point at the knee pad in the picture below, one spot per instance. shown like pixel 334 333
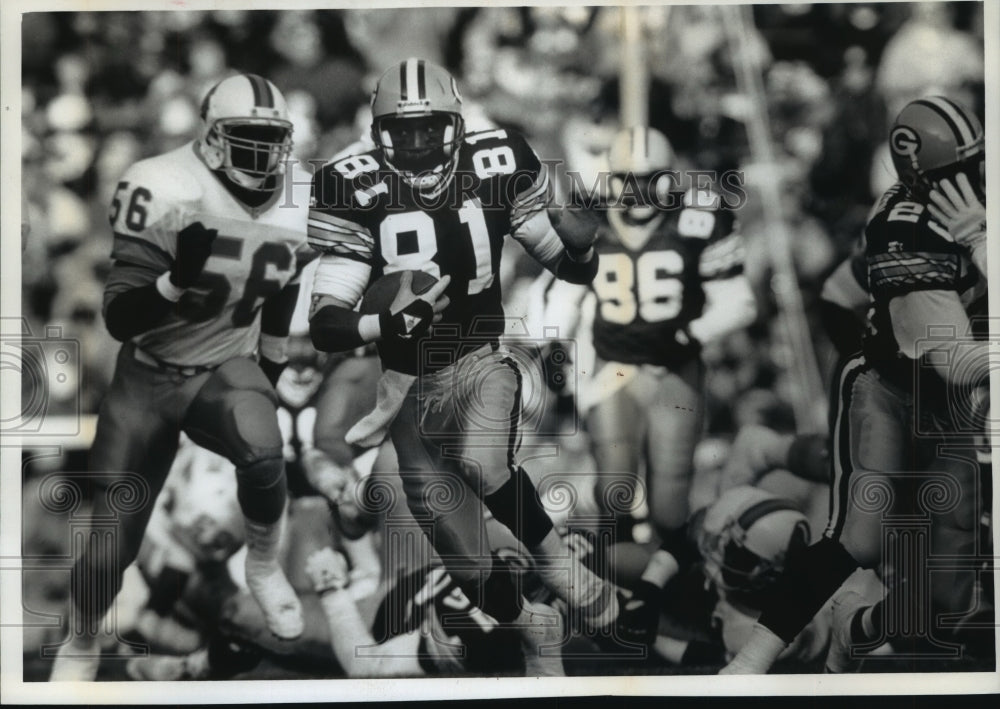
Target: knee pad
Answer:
pixel 252 420
pixel 236 418
pixel 517 506
pixel 262 489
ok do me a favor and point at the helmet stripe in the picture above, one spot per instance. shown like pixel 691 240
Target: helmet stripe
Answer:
pixel 421 89
pixel 958 126
pixel 961 117
pixel 638 148
pixel 403 95
pixel 262 94
pixel 205 101
pixel 411 78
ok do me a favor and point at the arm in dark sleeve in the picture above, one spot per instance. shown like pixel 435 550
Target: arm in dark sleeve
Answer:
pixel 276 313
pixel 136 310
pixel 334 328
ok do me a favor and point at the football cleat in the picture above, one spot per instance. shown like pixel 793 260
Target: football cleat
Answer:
pixel 245 131
pixel 541 638
pixel 638 618
pixel 846 604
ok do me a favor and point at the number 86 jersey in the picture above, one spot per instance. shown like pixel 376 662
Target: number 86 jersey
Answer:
pixel 256 253
pixel 649 281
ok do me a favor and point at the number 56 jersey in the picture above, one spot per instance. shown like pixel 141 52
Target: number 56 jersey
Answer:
pixel 256 253
pixel 649 280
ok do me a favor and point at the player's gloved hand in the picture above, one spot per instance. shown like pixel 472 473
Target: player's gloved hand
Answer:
pixel 957 207
pixel 577 228
pixel 272 370
pixel 194 246
pixel 327 570
pixel 411 314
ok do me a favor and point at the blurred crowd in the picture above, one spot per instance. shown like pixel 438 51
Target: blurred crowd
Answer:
pixel 102 90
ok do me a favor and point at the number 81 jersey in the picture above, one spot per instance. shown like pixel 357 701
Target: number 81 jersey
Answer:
pixel 363 211
pixel 256 253
pixel 649 281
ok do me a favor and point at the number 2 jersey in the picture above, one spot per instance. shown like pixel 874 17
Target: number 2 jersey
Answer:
pixel 256 253
pixel 908 251
pixel 364 212
pixel 649 279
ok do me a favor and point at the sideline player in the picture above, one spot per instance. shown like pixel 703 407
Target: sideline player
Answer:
pixel 901 386
pixel 431 197
pixel 208 242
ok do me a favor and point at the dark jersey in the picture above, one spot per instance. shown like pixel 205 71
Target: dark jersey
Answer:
pixel 649 281
pixel 456 637
pixel 364 211
pixel 908 251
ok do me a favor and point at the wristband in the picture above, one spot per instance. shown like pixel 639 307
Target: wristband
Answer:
pixel 579 256
pixel 369 328
pixel 167 289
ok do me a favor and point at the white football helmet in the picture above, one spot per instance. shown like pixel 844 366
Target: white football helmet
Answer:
pixel 246 132
pixel 745 536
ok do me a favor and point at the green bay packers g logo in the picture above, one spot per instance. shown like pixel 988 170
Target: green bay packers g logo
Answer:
pixel 904 141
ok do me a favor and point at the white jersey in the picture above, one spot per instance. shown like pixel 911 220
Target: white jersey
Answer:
pixel 256 253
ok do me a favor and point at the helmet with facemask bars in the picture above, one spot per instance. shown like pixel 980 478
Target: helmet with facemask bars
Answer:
pixel 417 123
pixel 745 538
pixel 638 161
pixel 246 133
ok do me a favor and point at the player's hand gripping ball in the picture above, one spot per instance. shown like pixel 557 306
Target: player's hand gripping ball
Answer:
pixel 407 302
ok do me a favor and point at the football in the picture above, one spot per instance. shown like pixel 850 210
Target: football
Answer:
pixel 382 292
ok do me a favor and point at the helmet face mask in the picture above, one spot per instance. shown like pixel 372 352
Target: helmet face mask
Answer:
pixel 746 537
pixel 417 123
pixel 418 144
pixel 246 132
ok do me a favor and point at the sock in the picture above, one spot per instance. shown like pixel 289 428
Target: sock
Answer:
pixel 757 655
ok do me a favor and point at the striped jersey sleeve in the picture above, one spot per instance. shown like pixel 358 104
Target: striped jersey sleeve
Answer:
pixel 907 251
pixel 334 227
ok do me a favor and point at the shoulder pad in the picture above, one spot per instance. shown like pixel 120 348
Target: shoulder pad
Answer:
pixel 152 195
pixel 497 152
pixel 347 181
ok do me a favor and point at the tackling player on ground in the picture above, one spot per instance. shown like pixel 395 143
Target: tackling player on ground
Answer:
pixel 430 197
pixel 208 242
